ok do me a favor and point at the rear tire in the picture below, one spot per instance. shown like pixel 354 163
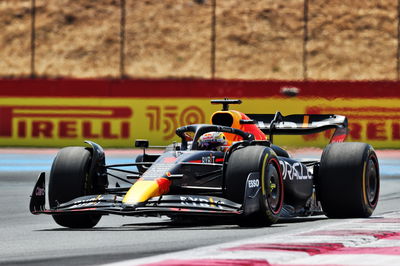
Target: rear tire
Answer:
pixel 348 182
pixel 69 179
pixel 263 160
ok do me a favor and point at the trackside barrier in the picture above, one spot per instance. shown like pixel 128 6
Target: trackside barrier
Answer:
pixel 44 113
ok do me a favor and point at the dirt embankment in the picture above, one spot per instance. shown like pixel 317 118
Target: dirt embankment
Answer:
pixel 255 39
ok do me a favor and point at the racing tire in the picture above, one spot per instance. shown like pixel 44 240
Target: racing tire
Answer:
pixel 262 160
pixel 348 181
pixel 69 179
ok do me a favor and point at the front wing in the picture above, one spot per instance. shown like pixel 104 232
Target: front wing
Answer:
pixel 172 205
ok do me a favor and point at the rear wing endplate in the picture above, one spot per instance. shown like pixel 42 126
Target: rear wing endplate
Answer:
pixel 300 124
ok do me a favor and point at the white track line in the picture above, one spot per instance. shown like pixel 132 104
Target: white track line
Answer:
pixel 374 241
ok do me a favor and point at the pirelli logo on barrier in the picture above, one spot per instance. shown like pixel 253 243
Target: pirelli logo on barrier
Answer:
pixel 111 126
pixel 50 122
pixel 65 122
pixel 366 124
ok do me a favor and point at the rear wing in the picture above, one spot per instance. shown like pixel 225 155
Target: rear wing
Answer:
pixel 300 124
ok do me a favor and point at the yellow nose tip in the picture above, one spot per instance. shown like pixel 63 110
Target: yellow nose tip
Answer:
pixel 143 190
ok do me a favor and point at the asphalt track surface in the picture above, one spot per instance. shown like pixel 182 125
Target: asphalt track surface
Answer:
pixel 38 240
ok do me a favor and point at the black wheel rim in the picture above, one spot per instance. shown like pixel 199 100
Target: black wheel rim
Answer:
pixel 272 185
pixel 372 182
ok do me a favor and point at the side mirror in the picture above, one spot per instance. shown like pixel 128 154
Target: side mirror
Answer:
pixel 141 143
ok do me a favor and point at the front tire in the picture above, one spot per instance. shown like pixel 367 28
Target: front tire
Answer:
pixel 69 179
pixel 262 160
pixel 348 182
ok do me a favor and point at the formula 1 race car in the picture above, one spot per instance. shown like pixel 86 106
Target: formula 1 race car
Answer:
pixel 229 168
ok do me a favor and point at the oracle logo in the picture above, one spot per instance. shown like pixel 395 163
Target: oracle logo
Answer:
pixel 66 122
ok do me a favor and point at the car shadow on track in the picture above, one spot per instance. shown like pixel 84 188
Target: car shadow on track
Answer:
pixel 287 220
pixel 202 224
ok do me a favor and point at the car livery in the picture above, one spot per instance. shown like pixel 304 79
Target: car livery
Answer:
pixel 250 181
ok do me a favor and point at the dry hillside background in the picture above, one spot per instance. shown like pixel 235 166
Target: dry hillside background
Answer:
pixel 255 39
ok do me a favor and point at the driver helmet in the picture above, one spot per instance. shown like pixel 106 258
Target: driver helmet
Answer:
pixel 212 141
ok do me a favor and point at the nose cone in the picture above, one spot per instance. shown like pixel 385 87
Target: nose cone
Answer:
pixel 143 190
